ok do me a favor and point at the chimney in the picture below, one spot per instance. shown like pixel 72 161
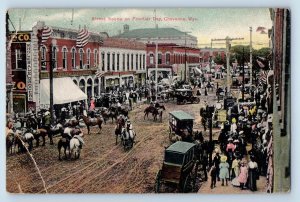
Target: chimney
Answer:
pixel 126 28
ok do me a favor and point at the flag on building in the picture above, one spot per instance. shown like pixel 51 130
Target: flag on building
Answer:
pixel 46 33
pixel 99 73
pixel 262 30
pixel 82 38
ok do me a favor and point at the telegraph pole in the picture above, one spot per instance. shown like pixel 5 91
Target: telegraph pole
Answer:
pixel 227 41
pixel 250 55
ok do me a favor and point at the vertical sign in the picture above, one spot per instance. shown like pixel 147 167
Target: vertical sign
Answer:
pixel 29 73
pixel 35 67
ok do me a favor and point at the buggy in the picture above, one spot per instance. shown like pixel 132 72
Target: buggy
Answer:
pixel 179 123
pixel 179 168
pixel 186 95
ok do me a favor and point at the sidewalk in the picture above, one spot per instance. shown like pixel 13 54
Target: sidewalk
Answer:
pixel 205 188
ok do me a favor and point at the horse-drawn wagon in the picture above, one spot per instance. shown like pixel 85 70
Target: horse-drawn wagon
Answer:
pixel 181 124
pixel 179 168
pixel 185 96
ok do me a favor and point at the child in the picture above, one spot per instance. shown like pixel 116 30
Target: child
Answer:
pixel 213 174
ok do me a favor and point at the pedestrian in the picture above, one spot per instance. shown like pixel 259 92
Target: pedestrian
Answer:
pixel 217 161
pixel 213 175
pixel 205 91
pixel 47 124
pixel 236 165
pixel 224 170
pixel 253 174
pixel 243 176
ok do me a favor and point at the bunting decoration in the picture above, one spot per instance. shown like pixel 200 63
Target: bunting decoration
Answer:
pixel 99 73
pixel 82 38
pixel 46 33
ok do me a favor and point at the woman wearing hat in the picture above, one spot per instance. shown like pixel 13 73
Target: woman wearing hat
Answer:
pixel 224 170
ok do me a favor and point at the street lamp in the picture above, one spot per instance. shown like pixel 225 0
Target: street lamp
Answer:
pixel 52 65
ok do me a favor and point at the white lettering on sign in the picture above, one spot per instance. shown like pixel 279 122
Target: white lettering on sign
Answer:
pixel 29 73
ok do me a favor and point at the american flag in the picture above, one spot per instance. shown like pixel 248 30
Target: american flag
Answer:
pixel 99 73
pixel 82 38
pixel 262 30
pixel 46 33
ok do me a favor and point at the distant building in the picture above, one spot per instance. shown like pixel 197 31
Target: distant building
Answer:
pixel 159 35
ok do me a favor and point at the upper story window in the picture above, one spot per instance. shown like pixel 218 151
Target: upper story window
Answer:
pixel 127 62
pixel 95 58
pixel 64 58
pixel 108 61
pixel 159 58
pixel 113 61
pixel 54 57
pixel 136 62
pixel 103 60
pixel 118 62
pixel 73 58
pixel 43 58
pixel 88 59
pixel 151 58
pixel 123 62
pixel 168 58
pixel 81 54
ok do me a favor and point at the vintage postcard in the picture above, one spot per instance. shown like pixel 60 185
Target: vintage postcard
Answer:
pixel 157 100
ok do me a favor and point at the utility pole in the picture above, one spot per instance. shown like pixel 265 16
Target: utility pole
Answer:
pixel 210 56
pixel 156 59
pixel 185 57
pixel 243 65
pixel 227 41
pixel 52 65
pixel 250 56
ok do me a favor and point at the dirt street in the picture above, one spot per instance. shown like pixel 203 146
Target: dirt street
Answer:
pixel 103 167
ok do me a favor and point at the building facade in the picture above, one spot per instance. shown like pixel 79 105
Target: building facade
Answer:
pixel 123 63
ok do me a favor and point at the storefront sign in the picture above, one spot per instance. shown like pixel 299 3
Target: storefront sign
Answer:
pixel 29 73
pixel 21 37
pixel 21 85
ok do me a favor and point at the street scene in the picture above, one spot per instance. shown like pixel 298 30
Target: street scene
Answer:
pixel 148 101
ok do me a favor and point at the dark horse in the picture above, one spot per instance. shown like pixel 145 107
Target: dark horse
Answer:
pixel 155 112
pixel 92 122
pixel 120 125
pixel 65 143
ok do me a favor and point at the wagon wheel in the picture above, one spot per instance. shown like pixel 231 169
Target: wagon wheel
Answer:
pixel 187 185
pixel 157 182
pixel 184 101
pixel 194 175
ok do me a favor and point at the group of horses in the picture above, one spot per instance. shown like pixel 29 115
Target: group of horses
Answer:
pixel 125 131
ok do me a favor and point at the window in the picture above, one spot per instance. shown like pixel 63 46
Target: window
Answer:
pixel 123 62
pixel 144 58
pixel 113 62
pixel 102 60
pixel 108 61
pixel 43 58
pixel 73 58
pixel 118 61
pixel 151 58
pixel 159 58
pixel 54 56
pixel 131 62
pixel 127 62
pixel 168 58
pixel 136 62
pixel 95 58
pixel 80 58
pixel 140 62
pixel 64 58
pixel 88 59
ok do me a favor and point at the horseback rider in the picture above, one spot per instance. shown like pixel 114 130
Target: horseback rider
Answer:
pixel 47 124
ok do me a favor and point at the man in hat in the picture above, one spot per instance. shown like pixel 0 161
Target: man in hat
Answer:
pixel 47 124
pixel 216 162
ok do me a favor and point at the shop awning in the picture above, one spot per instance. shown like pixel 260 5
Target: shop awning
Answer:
pixel 64 91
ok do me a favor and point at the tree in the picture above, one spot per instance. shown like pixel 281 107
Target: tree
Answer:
pixel 219 60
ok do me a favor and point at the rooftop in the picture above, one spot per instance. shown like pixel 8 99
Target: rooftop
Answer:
pixel 153 33
pixel 181 115
pixel 180 147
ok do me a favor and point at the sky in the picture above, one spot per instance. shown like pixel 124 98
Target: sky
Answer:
pixel 204 23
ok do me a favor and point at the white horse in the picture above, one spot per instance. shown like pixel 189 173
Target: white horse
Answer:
pixel 75 146
pixel 127 137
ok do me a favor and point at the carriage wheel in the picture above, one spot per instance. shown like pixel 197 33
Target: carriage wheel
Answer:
pixel 157 182
pixel 188 185
pixel 184 102
pixel 197 100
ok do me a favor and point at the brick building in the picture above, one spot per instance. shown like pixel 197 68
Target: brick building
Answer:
pixel 171 59
pixel 124 62
pixel 206 52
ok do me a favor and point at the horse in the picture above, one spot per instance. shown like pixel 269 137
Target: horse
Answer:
pixel 40 132
pixel 92 122
pixel 72 122
pixel 54 130
pixel 21 138
pixel 127 137
pixel 10 139
pixel 120 125
pixel 65 143
pixel 75 146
